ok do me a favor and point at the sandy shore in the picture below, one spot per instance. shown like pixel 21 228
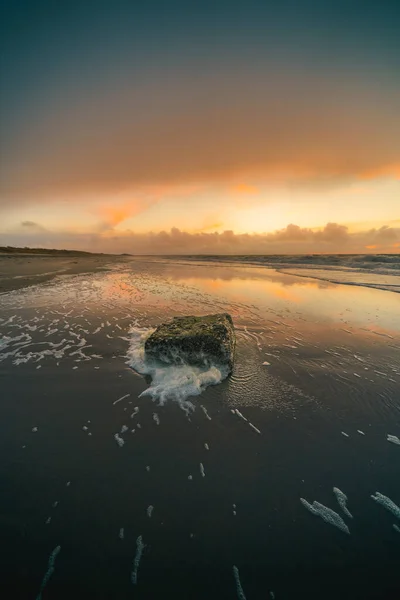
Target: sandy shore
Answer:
pixel 22 270
pixel 90 467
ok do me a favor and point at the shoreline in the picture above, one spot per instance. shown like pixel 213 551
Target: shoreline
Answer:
pixel 21 270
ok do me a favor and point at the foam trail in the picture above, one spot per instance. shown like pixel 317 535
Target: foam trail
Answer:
pixel 203 474
pixel 327 514
pixel 239 414
pixel 205 412
pixel 254 427
pixel 139 551
pixel 171 382
pixel 206 446
pixel 120 399
pixel 342 501
pixel 394 439
pixel 49 572
pixel 386 503
pixel 150 510
pixel 120 441
pixel 239 589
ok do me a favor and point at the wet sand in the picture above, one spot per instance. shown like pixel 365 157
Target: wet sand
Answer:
pixel 21 270
pixel 223 493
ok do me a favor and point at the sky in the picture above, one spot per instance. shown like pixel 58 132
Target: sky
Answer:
pixel 200 127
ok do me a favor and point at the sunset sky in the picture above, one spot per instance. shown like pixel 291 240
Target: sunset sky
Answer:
pixel 201 127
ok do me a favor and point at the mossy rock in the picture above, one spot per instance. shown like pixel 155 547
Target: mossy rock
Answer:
pixel 201 341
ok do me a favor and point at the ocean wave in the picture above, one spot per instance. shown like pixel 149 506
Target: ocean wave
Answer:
pixel 379 271
pixel 171 382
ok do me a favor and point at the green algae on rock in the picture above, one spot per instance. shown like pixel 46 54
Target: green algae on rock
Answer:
pixel 192 340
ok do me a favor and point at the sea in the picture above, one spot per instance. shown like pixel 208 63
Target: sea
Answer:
pixel 122 478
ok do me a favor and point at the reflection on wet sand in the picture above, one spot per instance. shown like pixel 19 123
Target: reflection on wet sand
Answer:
pixel 312 403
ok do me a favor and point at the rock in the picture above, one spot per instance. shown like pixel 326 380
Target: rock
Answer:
pixel 201 341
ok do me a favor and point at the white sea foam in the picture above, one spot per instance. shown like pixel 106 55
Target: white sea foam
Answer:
pixel 120 441
pixel 239 589
pixel 136 562
pixel 121 534
pixel 327 514
pixel 396 527
pixel 171 382
pixel 135 411
pixel 342 501
pixel 49 572
pixel 203 473
pixel 394 439
pixel 149 510
pixel 239 414
pixel 254 427
pixel 386 503
pixel 205 412
pixel 122 398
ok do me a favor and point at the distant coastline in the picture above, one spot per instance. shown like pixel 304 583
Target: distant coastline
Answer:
pixel 52 251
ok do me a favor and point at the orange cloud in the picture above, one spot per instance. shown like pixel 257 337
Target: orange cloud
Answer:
pixel 392 170
pixel 198 137
pixel 245 188
pixel 217 225
pixel 333 238
pixel 113 215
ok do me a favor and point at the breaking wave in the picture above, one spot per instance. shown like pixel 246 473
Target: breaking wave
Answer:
pixel 171 382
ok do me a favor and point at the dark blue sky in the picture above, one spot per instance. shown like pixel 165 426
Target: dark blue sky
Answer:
pixel 45 44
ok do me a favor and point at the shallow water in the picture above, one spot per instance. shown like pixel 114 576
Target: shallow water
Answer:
pixel 316 364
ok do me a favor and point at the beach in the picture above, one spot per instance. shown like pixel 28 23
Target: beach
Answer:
pixel 109 493
pixel 22 270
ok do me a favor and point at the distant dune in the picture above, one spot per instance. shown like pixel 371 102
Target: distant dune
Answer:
pixel 13 250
